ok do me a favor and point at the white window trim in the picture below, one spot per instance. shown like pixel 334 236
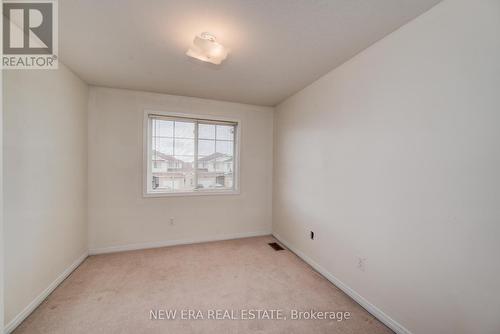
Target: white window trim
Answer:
pixel 147 192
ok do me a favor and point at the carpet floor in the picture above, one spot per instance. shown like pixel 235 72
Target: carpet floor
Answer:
pixel 124 292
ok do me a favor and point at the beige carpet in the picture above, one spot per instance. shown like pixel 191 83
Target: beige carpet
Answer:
pixel 114 293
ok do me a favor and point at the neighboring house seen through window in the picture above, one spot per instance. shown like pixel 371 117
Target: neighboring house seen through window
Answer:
pixel 190 155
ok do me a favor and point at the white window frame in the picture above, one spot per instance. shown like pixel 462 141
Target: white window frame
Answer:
pixel 147 163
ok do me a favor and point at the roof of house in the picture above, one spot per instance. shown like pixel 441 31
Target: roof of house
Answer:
pixel 214 156
pixel 157 155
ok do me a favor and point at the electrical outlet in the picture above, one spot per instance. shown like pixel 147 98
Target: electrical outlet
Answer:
pixel 171 221
pixel 312 235
pixel 361 263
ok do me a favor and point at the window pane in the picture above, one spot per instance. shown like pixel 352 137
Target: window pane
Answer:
pixel 176 174
pixel 206 147
pixel 164 128
pixel 184 146
pixel 206 131
pixel 225 147
pixel 215 170
pixel 225 132
pixel 184 129
pixel 216 173
pixel 184 182
pixel 206 182
pixel 224 165
pixel 163 145
pixel 189 159
pixel 173 182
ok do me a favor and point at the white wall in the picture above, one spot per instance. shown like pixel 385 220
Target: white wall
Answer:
pixel 395 157
pixel 45 180
pixel 119 216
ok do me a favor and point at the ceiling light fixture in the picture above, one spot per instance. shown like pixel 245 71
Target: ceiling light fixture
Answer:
pixel 206 48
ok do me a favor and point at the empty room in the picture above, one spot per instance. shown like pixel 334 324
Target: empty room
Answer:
pixel 250 166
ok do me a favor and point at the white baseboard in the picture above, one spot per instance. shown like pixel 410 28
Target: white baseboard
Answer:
pixel 41 297
pixel 157 244
pixel 376 312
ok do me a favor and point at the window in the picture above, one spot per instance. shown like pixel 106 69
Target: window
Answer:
pixel 189 155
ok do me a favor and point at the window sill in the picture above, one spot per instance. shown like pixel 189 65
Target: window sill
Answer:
pixel 192 193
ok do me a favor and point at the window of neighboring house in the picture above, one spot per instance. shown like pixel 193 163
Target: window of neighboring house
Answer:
pixel 199 155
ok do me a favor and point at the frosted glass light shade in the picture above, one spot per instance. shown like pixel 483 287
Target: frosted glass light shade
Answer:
pixel 206 48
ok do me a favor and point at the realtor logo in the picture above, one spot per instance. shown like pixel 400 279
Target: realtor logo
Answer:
pixel 29 34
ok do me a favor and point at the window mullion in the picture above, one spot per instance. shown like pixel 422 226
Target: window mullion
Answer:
pixel 195 155
pixel 236 159
pixel 151 146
